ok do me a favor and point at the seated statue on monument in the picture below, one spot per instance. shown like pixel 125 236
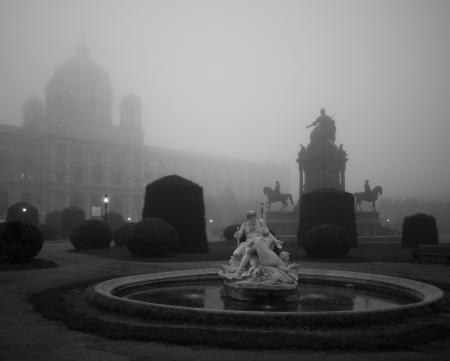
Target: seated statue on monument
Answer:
pixel 255 264
pixel 324 129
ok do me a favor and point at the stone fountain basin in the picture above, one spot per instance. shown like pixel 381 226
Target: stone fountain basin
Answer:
pixel 111 296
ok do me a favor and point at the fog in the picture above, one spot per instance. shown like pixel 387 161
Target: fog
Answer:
pixel 243 78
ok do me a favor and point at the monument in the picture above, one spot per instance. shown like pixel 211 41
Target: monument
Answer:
pixel 368 221
pixel 322 164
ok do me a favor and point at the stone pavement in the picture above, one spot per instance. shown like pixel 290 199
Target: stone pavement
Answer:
pixel 26 335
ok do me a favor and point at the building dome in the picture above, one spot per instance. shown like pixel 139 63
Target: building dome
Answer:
pixel 80 90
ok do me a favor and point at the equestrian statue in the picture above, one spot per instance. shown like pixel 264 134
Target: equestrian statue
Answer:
pixel 274 195
pixel 369 195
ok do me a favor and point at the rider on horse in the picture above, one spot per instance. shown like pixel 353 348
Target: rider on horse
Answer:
pixel 277 189
pixel 367 189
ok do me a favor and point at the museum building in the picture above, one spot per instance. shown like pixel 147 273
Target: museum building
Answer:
pixel 69 153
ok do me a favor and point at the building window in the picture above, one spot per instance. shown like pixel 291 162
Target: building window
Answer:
pixel 116 176
pixel 26 171
pixel 5 168
pixel 97 174
pixel 77 173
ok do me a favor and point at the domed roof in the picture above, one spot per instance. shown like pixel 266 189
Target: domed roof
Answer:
pixel 82 71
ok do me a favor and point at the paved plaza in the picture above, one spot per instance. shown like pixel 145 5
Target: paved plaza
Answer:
pixel 27 335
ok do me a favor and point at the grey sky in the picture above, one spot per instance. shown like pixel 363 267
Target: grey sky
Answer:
pixel 244 78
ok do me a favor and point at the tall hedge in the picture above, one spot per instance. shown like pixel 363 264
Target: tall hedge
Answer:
pixel 22 212
pixel 179 202
pixel 327 206
pixel 71 218
pixel 53 219
pixel 419 229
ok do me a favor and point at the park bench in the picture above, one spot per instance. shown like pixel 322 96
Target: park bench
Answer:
pixel 439 251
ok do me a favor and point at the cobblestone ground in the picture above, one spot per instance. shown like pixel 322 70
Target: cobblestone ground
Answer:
pixel 26 335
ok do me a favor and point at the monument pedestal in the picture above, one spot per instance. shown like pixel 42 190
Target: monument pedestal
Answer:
pixel 284 224
pixel 368 222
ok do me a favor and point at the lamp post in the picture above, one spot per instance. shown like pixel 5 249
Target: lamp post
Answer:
pixel 105 204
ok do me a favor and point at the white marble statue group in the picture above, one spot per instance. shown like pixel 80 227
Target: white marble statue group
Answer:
pixel 259 259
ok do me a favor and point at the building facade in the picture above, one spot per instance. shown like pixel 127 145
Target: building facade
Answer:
pixel 69 153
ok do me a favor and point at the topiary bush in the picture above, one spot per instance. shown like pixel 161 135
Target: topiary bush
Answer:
pixel 71 218
pixel 48 232
pixel 114 220
pixel 53 219
pixel 152 237
pixel 327 206
pixel 121 233
pixel 179 202
pixel 22 212
pixel 327 240
pixel 419 229
pixel 19 241
pixel 91 234
pixel 229 231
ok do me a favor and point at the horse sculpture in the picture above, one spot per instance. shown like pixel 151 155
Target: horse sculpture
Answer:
pixel 273 197
pixel 371 196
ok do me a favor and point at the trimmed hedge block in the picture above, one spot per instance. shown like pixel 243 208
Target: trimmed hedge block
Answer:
pixel 327 240
pixel 419 229
pixel 179 202
pixel 327 206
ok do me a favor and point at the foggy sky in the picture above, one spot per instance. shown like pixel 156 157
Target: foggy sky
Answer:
pixel 244 78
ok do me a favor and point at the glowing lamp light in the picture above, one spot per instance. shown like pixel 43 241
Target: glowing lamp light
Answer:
pixel 129 219
pixel 105 199
pixel 24 209
pixel 211 221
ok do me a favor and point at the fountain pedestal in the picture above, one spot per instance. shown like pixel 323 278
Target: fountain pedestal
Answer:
pixel 258 292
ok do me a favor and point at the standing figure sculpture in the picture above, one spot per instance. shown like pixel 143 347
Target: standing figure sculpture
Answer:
pixel 324 128
pixel 255 259
pixel 368 195
pixel 275 195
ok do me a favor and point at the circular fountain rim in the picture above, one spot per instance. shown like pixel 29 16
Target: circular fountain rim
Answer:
pixel 107 294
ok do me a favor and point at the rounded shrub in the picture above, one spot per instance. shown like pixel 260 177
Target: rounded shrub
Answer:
pixel 22 212
pixel 121 233
pixel 419 229
pixel 327 240
pixel 114 220
pixel 179 202
pixel 152 237
pixel 229 231
pixel 91 234
pixel 19 241
pixel 327 206
pixel 71 218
